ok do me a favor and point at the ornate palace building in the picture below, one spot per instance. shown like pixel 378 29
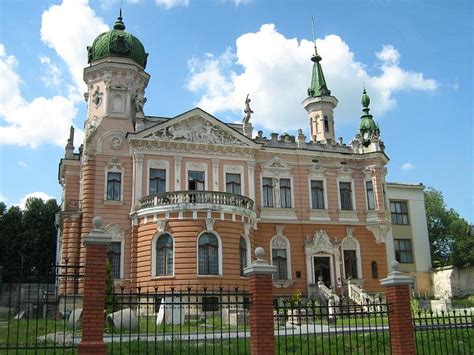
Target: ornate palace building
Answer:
pixel 188 198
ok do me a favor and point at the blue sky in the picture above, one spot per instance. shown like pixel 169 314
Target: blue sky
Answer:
pixel 415 58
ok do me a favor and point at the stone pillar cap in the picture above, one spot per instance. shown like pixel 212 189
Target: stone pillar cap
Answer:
pixel 97 235
pixel 396 277
pixel 260 266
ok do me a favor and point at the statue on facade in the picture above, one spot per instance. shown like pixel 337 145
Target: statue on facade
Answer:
pixel 248 111
pixel 139 101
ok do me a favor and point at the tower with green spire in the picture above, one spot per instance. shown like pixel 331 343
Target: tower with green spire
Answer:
pixel 368 129
pixel 116 82
pixel 320 104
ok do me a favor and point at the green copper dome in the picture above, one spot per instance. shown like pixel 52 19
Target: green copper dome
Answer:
pixel 367 124
pixel 118 43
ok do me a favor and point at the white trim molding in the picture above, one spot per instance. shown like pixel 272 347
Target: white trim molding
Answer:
pixel 219 253
pixel 154 240
pixel 279 241
pixel 197 166
pixel 157 164
pixel 351 243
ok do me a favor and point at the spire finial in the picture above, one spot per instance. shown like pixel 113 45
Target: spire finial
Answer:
pixel 119 25
pixel 316 57
pixel 365 101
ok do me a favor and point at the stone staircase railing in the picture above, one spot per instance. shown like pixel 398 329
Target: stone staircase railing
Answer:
pixel 359 296
pixel 331 298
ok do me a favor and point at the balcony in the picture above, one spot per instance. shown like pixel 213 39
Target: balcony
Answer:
pixel 196 200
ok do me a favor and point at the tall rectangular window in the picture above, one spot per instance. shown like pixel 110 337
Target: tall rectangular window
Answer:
pixel 157 181
pixel 317 194
pixel 345 192
pixel 403 250
pixel 267 187
pixel 232 183
pixel 350 264
pixel 114 186
pixel 196 180
pixel 114 256
pixel 399 212
pixel 285 193
pixel 369 187
pixel 280 260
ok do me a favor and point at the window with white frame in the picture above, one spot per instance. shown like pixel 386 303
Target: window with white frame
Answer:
pixel 403 251
pixel 285 193
pixel 351 258
pixel 267 187
pixel 243 255
pixel 114 257
pixel 345 193
pixel 399 212
pixel 369 188
pixel 280 257
pixel 196 180
pixel 114 186
pixel 157 182
pixel 208 254
pixel 232 183
pixel 164 255
pixel 317 194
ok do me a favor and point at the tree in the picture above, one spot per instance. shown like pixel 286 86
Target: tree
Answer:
pixel 27 239
pixel 448 232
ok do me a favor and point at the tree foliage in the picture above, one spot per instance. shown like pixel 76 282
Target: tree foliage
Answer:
pixel 450 240
pixel 27 239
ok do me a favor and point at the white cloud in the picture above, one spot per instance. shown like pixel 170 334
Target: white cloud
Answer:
pixel 22 164
pixel 389 55
pixel 408 166
pixel 53 73
pixel 69 28
pixel 168 4
pixel 30 123
pixel 3 198
pixel 44 196
pixel 276 71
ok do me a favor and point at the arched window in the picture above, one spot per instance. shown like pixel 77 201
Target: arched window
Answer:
pixel 373 268
pixel 352 262
pixel 164 255
pixel 243 255
pixel 208 254
pixel 280 257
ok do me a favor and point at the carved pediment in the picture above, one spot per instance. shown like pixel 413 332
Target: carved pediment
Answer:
pixel 196 129
pixel 321 242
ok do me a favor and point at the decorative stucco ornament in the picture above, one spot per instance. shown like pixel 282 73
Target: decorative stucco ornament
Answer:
pixel 195 129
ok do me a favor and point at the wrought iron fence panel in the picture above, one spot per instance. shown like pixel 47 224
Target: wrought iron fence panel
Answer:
pixel 42 313
pixel 444 331
pixel 178 320
pixel 316 327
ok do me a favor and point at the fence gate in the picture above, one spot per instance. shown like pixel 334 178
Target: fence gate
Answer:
pixel 41 314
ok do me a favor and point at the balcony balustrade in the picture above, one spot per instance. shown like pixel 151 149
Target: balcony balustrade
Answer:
pixel 193 198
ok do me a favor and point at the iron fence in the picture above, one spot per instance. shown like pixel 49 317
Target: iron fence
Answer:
pixel 184 320
pixel 314 327
pixel 444 332
pixel 40 313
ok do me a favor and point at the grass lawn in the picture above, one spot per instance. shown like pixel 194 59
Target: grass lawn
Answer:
pixel 463 302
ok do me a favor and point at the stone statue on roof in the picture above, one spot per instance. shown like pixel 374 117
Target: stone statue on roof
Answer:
pixel 248 111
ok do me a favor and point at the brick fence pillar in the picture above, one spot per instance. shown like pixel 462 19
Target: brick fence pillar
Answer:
pixel 400 320
pixel 262 338
pixel 96 242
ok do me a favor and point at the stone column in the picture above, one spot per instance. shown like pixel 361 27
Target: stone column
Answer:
pixel 177 174
pixel 215 176
pixel 251 182
pixel 138 185
pixel 262 338
pixel 402 332
pixel 94 290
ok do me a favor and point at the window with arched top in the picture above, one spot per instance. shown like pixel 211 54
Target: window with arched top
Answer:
pixel 373 268
pixel 280 248
pixel 243 255
pixel 351 255
pixel 208 254
pixel 164 255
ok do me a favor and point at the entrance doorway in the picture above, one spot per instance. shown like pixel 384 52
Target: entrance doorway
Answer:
pixel 322 269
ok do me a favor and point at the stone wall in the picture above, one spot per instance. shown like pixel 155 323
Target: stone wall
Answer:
pixel 453 281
